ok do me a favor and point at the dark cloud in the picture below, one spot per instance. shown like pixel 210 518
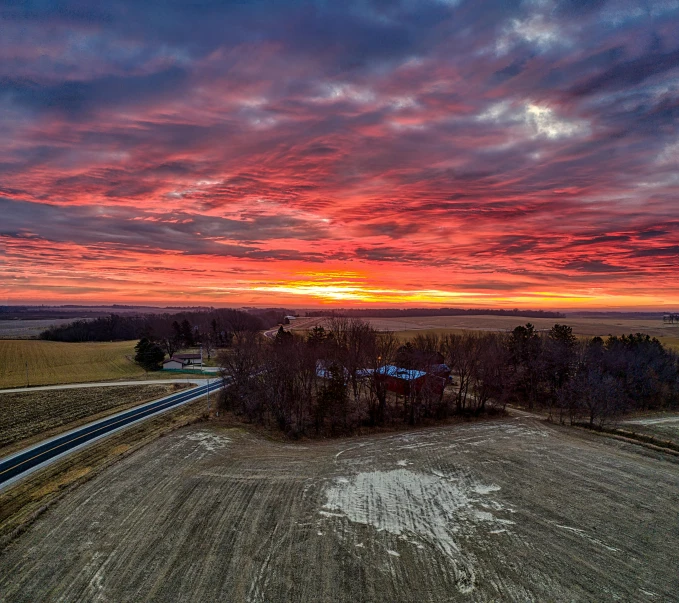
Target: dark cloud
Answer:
pixel 177 231
pixel 629 73
pixel 76 99
pixel 593 266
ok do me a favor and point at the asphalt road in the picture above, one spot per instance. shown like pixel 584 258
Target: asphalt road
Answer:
pixel 16 466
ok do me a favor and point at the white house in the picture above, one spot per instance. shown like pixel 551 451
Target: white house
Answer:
pixel 173 365
pixel 183 361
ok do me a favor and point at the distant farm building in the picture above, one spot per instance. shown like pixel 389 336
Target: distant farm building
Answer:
pixel 325 370
pixel 439 370
pixel 180 362
pixel 408 382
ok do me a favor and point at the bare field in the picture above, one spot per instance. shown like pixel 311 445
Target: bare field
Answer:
pixel 46 413
pixel 53 362
pixel 510 510
pixel 662 426
pixel 590 327
pixel 27 329
pixel 28 498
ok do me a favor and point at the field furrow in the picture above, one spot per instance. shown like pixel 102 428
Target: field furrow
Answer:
pixel 510 510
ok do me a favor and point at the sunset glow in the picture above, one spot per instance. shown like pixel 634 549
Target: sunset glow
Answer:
pixel 354 153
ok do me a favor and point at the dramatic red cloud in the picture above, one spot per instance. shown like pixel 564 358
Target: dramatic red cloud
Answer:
pixel 372 153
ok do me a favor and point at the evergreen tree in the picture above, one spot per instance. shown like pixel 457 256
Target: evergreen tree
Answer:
pixel 148 354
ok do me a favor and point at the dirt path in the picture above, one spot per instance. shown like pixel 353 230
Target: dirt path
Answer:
pixel 510 510
pixel 654 420
pixel 197 381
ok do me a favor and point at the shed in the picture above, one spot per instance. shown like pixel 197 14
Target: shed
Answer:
pixel 173 365
pixel 189 359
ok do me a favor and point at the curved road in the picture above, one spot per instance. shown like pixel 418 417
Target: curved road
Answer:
pixel 16 466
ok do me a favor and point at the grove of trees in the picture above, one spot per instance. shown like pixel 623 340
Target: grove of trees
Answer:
pixel 172 332
pixel 593 381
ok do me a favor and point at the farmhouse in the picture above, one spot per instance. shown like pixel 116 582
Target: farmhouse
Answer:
pixel 183 361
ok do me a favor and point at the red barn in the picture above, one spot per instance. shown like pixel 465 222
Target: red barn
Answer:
pixel 406 382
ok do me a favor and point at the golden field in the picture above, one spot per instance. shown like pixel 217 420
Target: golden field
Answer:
pixel 53 362
pixel 407 328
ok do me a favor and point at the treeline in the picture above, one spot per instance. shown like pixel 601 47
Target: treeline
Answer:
pixel 211 329
pixel 592 381
pixel 336 380
pixel 332 381
pixel 414 312
pixel 276 381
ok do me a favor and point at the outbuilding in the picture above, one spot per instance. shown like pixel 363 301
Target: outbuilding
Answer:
pixel 173 365
pixel 189 359
pixel 179 362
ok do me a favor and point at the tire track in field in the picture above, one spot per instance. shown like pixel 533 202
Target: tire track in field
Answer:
pixel 210 514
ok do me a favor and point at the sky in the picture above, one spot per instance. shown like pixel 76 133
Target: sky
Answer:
pixel 354 153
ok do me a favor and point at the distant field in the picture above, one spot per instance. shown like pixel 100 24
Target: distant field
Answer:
pixel 27 329
pixel 52 362
pixel 507 510
pixel 48 412
pixel 409 327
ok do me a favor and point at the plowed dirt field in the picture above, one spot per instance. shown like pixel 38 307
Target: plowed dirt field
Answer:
pixel 509 510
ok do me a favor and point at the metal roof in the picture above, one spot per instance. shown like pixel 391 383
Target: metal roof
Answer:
pixel 400 373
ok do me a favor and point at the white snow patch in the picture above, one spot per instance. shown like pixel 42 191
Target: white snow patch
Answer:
pixel 486 489
pixel 402 463
pixel 584 534
pixel 653 421
pixel 483 515
pixel 327 514
pixel 210 442
pixel 393 553
pixel 431 508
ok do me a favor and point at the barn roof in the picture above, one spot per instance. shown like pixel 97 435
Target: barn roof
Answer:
pixel 187 356
pixel 400 373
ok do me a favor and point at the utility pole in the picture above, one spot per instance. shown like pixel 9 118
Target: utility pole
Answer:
pixel 208 396
pixel 27 382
